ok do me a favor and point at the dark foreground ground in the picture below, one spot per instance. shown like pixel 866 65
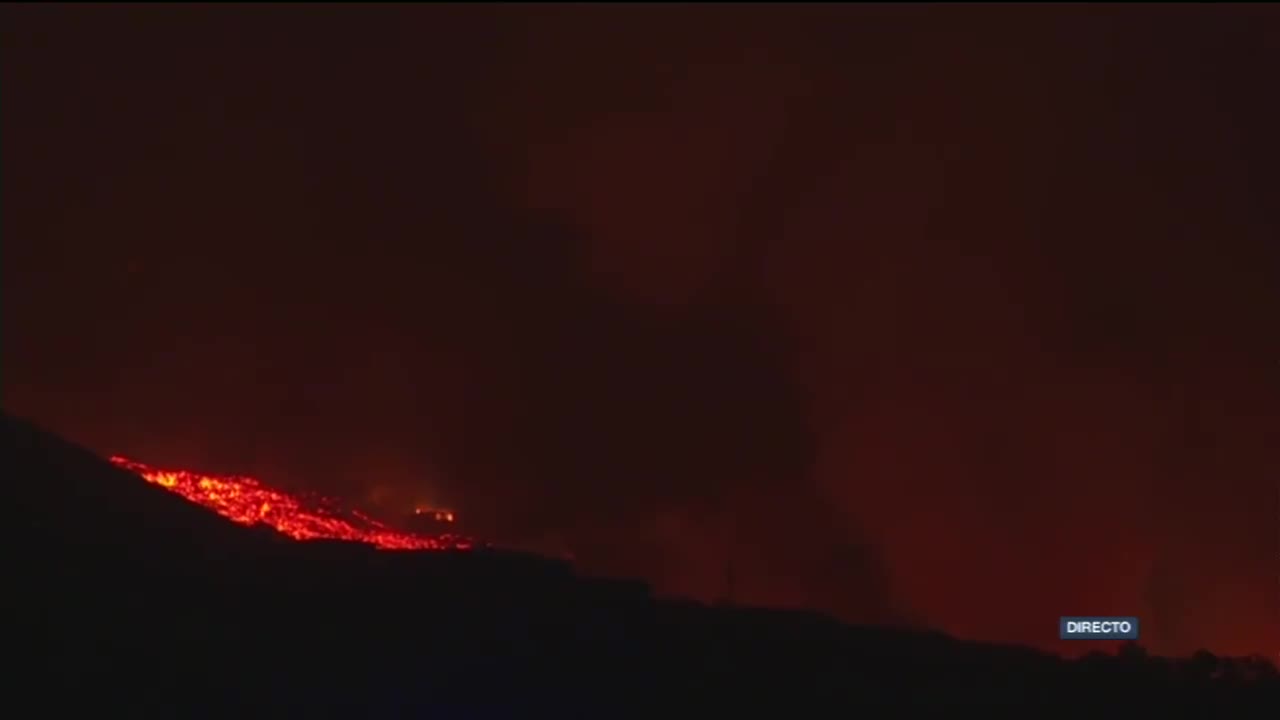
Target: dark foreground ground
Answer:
pixel 132 602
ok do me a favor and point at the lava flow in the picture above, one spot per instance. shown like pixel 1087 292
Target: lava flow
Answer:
pixel 247 501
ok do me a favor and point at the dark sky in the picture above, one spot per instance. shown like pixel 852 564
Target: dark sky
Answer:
pixel 960 316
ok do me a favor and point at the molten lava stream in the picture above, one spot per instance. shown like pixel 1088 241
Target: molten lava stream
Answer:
pixel 247 501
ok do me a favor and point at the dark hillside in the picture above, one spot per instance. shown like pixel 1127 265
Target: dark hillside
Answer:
pixel 146 605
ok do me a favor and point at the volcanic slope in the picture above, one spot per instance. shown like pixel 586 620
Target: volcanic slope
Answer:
pixel 136 601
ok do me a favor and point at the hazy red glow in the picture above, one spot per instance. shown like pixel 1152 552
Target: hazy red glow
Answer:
pixel 247 501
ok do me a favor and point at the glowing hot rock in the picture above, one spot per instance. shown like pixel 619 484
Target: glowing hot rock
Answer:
pixel 247 501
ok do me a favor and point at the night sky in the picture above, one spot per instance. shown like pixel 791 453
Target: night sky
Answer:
pixel 958 317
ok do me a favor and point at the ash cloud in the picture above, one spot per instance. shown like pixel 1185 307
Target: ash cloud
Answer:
pixel 602 417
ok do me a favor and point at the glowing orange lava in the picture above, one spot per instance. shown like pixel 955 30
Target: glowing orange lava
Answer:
pixel 247 501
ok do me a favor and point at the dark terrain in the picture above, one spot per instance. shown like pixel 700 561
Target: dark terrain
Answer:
pixel 143 604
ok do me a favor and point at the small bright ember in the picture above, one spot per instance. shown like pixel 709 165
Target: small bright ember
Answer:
pixel 438 515
pixel 247 501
